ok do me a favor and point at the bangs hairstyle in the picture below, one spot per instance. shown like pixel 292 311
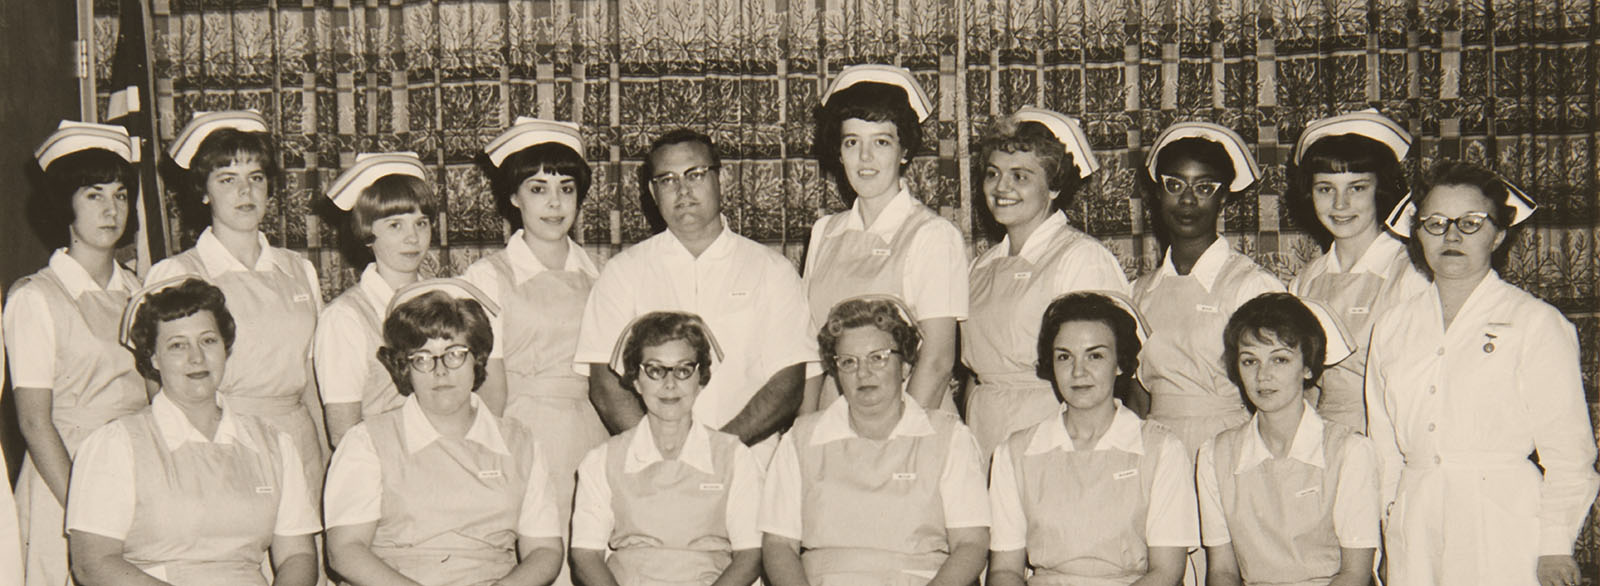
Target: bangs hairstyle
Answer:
pixel 549 157
pixel 390 195
pixel 858 313
pixel 660 327
pixel 1460 173
pixel 1060 167
pixel 224 147
pixel 85 168
pixel 1275 318
pixel 1199 150
pixel 1093 308
pixel 171 304
pixel 1347 153
pixel 429 316
pixel 873 102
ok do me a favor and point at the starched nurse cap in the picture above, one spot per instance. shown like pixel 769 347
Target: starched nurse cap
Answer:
pixel 1245 170
pixel 1399 220
pixel 203 124
pixel 886 74
pixel 527 132
pixel 621 346
pixel 1340 343
pixel 131 311
pixel 1068 132
pixel 71 137
pixel 1368 123
pixel 368 168
pixel 455 288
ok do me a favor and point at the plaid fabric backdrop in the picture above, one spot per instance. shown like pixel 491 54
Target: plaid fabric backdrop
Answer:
pixel 1510 84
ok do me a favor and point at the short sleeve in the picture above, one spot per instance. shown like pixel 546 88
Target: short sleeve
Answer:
pixel 102 497
pixel 609 309
pixel 1213 519
pixel 1355 506
pixel 1254 284
pixel 539 516
pixel 744 500
pixel 1173 519
pixel 592 517
pixel 30 338
pixel 1089 266
pixel 782 496
pixel 309 271
pixel 297 514
pixel 1010 529
pixel 788 336
pixel 961 483
pixel 341 354
pixel 169 268
pixel 935 276
pixel 354 487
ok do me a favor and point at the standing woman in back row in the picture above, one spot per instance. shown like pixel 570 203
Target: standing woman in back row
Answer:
pixel 868 129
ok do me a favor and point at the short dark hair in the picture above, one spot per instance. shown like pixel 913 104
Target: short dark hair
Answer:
pixel 1206 152
pixel 434 315
pixel 647 171
pixel 1277 317
pixel 549 157
pixel 870 101
pixel 390 195
pixel 1060 167
pixel 221 148
pixel 190 297
pixel 1084 306
pixel 74 171
pixel 1460 173
pixel 879 313
pixel 1346 153
pixel 660 327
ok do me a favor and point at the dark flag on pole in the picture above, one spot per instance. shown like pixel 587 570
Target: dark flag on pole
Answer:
pixel 132 105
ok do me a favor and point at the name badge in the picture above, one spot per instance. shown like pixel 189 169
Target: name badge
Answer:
pixel 1205 308
pixel 1022 276
pixel 711 486
pixel 905 476
pixel 1125 474
pixel 881 252
pixel 1360 310
pixel 489 474
pixel 1309 491
pixel 739 294
pixel 302 297
pixel 263 490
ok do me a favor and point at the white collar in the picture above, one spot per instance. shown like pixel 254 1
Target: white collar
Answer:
pixel 1377 259
pixel 1126 434
pixel 834 423
pixel 642 450
pixel 77 280
pixel 524 265
pixel 1305 447
pixel 419 432
pixel 720 248
pixel 376 289
pixel 1041 241
pixel 894 214
pixel 218 260
pixel 176 430
pixel 1207 267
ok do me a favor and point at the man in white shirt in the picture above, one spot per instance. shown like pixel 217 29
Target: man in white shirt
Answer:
pixel 749 294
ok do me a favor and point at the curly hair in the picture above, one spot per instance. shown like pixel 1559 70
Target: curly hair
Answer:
pixel 1060 167
pixel 883 314
pixel 1275 317
pixel 1085 306
pixel 85 168
pixel 1450 172
pixel 1346 153
pixel 870 101
pixel 221 148
pixel 434 315
pixel 660 327
pixel 188 298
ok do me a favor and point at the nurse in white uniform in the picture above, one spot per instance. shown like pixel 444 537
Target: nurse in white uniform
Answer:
pixel 1464 382
pixel 70 374
pixel 888 242
pixel 10 541
pixel 1034 164
pixel 390 202
pixel 1348 175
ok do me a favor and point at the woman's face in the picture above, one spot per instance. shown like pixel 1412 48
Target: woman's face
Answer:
pixel 1273 374
pixel 1084 360
pixel 189 356
pixel 871 155
pixel 879 374
pixel 237 195
pixel 1454 255
pixel 670 398
pixel 548 204
pixel 441 388
pixel 99 215
pixel 1187 213
pixel 1346 203
pixel 1017 188
pixel 399 241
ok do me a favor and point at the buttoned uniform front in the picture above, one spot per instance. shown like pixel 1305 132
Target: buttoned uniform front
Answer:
pixel 61 330
pixel 448 511
pixel 1288 517
pixel 274 305
pixel 1009 296
pixel 748 294
pixel 1454 414
pixel 191 510
pixel 1381 278
pixel 1090 516
pixel 1181 363
pixel 668 522
pixel 871 511
pixel 345 350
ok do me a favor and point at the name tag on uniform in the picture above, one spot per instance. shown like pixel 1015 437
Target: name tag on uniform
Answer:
pixel 1205 308
pixel 1125 474
pixel 739 294
pixel 711 487
pixel 263 490
pixel 881 252
pixel 1309 491
pixel 1022 276
pixel 302 297
pixel 905 476
pixel 1360 310
pixel 489 474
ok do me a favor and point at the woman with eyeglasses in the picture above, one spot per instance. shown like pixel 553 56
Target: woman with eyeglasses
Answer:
pixel 1192 171
pixel 1464 382
pixel 875 488
pixel 673 500
pixel 440 491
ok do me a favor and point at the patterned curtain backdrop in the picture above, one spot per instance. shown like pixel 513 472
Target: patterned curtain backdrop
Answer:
pixel 1508 83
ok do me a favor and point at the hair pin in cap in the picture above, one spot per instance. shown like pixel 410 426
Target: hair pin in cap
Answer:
pixel 1068 132
pixel 627 334
pixel 1340 343
pixel 527 132
pixel 71 137
pixel 368 169
pixel 455 288
pixel 129 313
pixel 203 124
pixel 1368 123
pixel 885 74
pixel 1245 170
pixel 1399 220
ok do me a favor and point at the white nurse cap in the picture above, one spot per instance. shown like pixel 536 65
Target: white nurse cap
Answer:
pixel 621 347
pixel 455 288
pixel 1340 343
pixel 71 137
pixel 203 124
pixel 368 168
pixel 125 332
pixel 1141 328
pixel 886 74
pixel 1245 170
pixel 1523 206
pixel 527 132
pixel 1368 123
pixel 1068 132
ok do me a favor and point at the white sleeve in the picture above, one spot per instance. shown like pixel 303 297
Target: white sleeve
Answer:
pixel 310 271
pixel 1355 506
pixel 482 276
pixel 1256 283
pixel 744 501
pixel 961 483
pixel 339 354
pixel 782 496
pixel 1010 529
pixel 354 486
pixel 592 517
pixel 609 309
pixel 1090 267
pixel 1551 388
pixel 539 516
pixel 1174 518
pixel 168 268
pixel 1379 426
pixel 103 497
pixel 30 338
pixel 297 514
pixel 1213 518
pixel 787 335
pixel 935 279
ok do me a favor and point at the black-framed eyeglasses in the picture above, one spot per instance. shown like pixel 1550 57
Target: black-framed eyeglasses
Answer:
pixel 875 360
pixel 428 363
pixel 692 176
pixel 657 371
pixel 1468 223
pixel 1202 189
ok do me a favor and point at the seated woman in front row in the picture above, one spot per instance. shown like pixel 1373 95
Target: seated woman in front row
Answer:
pixel 440 492
pixel 675 500
pixel 874 489
pixel 188 491
pixel 1289 497
pixel 1095 495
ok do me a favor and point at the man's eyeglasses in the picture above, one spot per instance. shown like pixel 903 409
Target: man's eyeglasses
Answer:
pixel 875 360
pixel 1202 189
pixel 656 371
pixel 426 363
pixel 1468 223
pixel 694 176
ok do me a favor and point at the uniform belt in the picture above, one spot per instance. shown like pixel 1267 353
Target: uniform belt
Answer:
pixel 865 560
pixel 1013 378
pixel 1489 461
pixel 1169 405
